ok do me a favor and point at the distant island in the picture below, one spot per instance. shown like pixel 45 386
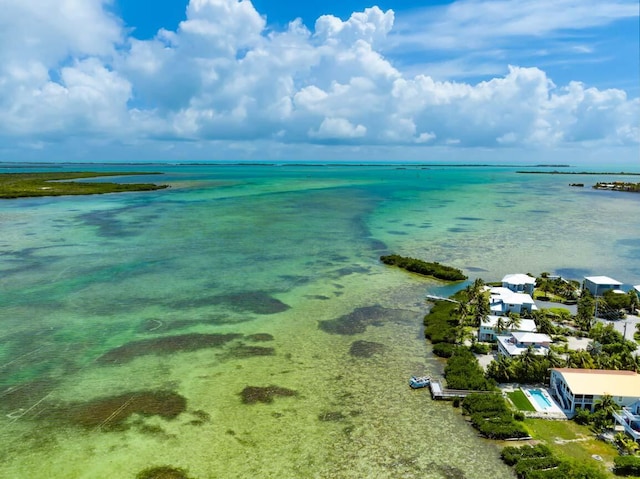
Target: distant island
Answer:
pixel 555 172
pixel 25 185
pixel 618 186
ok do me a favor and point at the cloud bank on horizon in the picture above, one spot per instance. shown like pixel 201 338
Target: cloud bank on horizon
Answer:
pixel 77 84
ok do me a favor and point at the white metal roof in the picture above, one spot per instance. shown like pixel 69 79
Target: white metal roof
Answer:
pixel 527 337
pixel 602 280
pixel 525 324
pixel 518 278
pixel 508 296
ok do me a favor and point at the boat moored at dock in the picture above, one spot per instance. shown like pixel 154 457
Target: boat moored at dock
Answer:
pixel 417 382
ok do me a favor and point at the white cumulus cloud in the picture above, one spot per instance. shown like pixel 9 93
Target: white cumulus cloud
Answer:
pixel 69 69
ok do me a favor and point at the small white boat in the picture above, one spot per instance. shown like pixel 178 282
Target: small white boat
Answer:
pixel 417 382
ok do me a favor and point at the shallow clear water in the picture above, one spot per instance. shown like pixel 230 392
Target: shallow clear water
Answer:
pixel 134 323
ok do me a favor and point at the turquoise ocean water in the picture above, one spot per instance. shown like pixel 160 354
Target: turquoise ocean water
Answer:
pixel 240 324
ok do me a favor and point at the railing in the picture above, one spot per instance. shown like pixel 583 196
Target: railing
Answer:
pixel 439 392
pixel 625 418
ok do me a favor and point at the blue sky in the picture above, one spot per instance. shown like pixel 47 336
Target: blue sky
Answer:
pixel 503 81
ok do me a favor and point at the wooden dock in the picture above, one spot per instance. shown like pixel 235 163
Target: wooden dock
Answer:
pixel 440 392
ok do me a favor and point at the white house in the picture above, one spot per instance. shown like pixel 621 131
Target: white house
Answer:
pixel 517 343
pixel 504 301
pixel 489 328
pixel 597 285
pixel 519 283
pixel 581 388
pixel 629 419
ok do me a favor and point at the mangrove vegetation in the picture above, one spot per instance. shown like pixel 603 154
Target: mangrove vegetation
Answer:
pixel 23 185
pixel 433 269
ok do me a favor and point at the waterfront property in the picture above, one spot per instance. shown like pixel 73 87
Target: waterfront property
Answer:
pixel 581 388
pixel 517 343
pixel 504 301
pixel 492 327
pixel 597 285
pixel 629 419
pixel 519 283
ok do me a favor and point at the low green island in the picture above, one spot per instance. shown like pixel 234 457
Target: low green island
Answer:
pixel 424 268
pixel 25 185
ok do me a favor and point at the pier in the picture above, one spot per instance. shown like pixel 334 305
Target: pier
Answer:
pixel 440 392
pixel 440 298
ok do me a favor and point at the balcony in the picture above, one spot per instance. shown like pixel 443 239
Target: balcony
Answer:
pixel 630 422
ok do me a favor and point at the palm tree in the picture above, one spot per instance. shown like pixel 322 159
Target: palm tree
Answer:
pixel 606 404
pixel 482 309
pixel 626 444
pixel 501 325
pixel 633 301
pixel 580 359
pixel 502 369
pixel 544 324
pixel 529 362
pixel 594 348
pixel 513 321
pixel 603 412
pixel 554 359
pixel 461 311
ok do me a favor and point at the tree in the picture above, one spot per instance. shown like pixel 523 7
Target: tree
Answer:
pixel 585 311
pixel 594 348
pixel 626 444
pixel 501 369
pixel 580 359
pixel 513 320
pixel 501 325
pixel 482 309
pixel 633 301
pixel 528 362
pixel 554 359
pixel 544 324
pixel 607 405
pixel 617 301
pixel 461 311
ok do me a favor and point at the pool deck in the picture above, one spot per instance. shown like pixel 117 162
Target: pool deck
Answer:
pixel 553 412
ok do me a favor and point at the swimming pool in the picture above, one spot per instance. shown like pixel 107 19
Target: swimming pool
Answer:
pixel 540 399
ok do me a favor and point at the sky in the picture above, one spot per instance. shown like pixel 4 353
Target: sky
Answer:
pixel 502 81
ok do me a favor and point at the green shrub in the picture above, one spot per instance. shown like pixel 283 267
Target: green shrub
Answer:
pixel 525 466
pixel 443 350
pixel 440 325
pixel 464 372
pixel 583 417
pixel 626 466
pixel 485 404
pixel 480 348
pixel 498 427
pixel 512 454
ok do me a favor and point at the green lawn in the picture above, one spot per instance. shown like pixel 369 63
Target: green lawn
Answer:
pixel 520 401
pixel 571 440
